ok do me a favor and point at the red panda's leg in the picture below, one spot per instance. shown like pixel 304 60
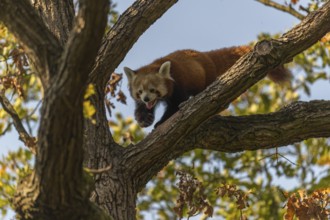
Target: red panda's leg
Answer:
pixel 145 117
pixel 170 110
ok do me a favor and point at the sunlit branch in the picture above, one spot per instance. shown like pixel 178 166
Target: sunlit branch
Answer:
pixel 283 8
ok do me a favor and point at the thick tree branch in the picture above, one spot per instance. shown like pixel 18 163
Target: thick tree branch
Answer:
pixel 283 8
pixel 68 87
pixel 57 15
pixel 24 136
pixel 39 43
pixel 60 155
pixel 130 26
pixel 251 68
pixel 100 148
pixel 293 123
pixel 84 41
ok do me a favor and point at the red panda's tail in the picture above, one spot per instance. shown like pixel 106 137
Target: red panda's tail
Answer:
pixel 280 74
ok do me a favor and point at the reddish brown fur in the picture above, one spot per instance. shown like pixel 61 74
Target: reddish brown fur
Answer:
pixel 193 71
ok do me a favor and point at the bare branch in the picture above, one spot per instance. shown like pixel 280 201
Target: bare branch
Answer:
pixel 24 136
pixel 160 144
pixel 283 8
pixel 99 171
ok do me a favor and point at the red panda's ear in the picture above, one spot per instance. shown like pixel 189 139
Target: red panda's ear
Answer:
pixel 129 73
pixel 164 70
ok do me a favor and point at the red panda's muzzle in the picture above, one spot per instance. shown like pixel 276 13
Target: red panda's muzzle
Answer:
pixel 151 104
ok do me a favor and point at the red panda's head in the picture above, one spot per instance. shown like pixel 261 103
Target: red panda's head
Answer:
pixel 149 86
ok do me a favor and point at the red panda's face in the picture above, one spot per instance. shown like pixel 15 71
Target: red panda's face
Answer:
pixel 149 88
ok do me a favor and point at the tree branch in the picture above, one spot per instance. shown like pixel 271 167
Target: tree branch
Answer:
pixel 283 8
pixel 287 126
pixel 239 133
pixel 24 136
pixel 39 43
pixel 130 26
pixel 60 138
pixel 159 146
pixel 84 41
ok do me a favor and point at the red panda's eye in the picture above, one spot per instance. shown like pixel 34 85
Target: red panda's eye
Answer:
pixel 140 91
pixel 152 90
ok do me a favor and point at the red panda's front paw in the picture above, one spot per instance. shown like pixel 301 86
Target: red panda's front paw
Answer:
pixel 144 119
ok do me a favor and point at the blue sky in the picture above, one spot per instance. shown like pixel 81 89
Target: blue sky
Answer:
pixel 201 25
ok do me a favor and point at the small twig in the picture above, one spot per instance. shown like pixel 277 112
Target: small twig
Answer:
pixel 304 9
pixel 24 136
pixel 27 118
pixel 276 157
pixel 99 171
pixel 287 159
pixel 266 157
pixel 280 7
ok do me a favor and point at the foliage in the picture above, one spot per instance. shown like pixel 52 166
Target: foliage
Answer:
pixel 23 89
pixel 192 198
pixel 13 167
pixel 17 82
pixel 125 130
pixel 231 186
pixel 305 207
pixel 113 90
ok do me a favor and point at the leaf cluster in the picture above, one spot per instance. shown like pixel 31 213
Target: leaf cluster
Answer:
pixel 192 198
pixel 17 83
pixel 305 207
pixel 13 167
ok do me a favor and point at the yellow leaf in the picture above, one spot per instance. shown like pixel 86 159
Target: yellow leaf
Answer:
pixel 253 108
pixel 324 160
pixel 326 38
pixel 89 91
pixel 89 109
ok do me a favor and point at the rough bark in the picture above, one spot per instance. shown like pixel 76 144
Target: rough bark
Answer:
pixel 293 123
pixel 57 16
pixel 114 190
pixel 58 188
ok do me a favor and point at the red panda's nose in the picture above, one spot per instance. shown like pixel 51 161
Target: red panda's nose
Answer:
pixel 146 99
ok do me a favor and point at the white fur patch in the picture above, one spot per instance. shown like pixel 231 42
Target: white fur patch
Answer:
pixel 165 70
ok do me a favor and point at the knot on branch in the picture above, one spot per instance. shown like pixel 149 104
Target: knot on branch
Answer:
pixel 266 52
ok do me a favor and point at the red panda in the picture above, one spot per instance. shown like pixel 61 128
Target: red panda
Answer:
pixel 172 79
